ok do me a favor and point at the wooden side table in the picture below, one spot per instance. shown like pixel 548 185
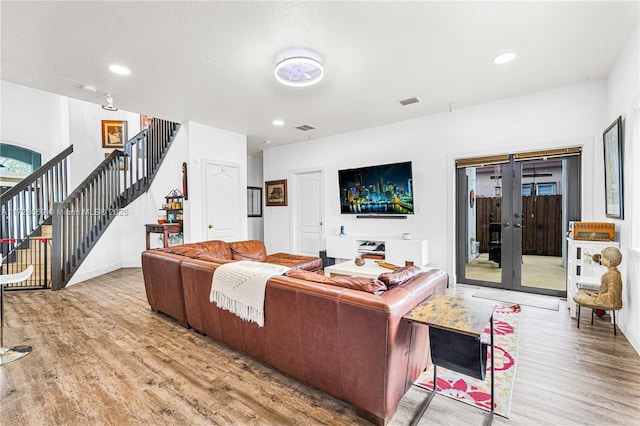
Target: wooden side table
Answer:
pixel 162 228
pixel 455 328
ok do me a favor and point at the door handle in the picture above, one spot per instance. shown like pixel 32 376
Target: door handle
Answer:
pixel 506 224
pixel 517 225
pixel 210 226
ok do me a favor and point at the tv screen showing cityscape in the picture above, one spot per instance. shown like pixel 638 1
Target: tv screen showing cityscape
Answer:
pixel 377 190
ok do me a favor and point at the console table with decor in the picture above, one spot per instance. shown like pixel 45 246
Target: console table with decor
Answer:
pixel 455 329
pixel 162 228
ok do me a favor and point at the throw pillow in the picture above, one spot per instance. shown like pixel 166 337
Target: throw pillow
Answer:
pixel 370 285
pixel 399 276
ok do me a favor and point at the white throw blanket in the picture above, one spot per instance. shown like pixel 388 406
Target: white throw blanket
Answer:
pixel 239 288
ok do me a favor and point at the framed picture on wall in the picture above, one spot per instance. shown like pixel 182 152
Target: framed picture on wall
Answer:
pixel 276 192
pixel 612 139
pixel 114 133
pixel 145 121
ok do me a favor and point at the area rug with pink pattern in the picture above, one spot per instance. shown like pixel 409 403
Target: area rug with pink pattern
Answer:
pixel 506 329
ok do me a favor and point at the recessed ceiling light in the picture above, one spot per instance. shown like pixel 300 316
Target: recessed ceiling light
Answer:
pixel 278 123
pixel 504 58
pixel 119 69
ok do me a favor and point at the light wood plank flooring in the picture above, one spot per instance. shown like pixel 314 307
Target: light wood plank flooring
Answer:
pixel 101 357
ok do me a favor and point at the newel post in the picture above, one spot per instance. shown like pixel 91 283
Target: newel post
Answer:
pixel 57 213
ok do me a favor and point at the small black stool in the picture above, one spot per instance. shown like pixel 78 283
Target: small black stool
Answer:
pixel 613 314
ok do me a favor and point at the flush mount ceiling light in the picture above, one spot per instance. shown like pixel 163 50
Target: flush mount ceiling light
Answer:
pixel 504 58
pixel 299 68
pixel 278 123
pixel 109 106
pixel 119 69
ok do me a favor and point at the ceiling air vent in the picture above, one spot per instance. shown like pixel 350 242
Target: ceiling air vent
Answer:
pixel 409 101
pixel 305 127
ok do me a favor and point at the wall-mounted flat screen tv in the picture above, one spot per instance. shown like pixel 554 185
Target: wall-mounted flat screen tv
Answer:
pixel 386 189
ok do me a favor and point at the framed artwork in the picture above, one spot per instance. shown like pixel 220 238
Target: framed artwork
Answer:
pixel 114 133
pixel 276 192
pixel 122 163
pixel 612 139
pixel 145 121
pixel 254 201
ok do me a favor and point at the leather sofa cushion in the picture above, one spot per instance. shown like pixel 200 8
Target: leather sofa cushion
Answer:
pixel 216 249
pixel 309 263
pixel 399 276
pixel 188 250
pixel 370 285
pixel 213 259
pixel 248 250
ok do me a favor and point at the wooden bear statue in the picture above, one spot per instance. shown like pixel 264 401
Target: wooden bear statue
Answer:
pixel 609 296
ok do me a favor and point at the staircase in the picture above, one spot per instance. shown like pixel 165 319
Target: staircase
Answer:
pixel 24 239
pixel 58 239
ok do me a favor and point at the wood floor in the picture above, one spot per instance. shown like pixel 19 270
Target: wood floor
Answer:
pixel 101 357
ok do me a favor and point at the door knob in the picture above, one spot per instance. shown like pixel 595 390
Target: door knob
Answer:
pixel 517 225
pixel 506 224
pixel 210 226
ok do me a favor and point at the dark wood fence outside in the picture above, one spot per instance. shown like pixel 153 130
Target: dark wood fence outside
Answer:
pixel 542 223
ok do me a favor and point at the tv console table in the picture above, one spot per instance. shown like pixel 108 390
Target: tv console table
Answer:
pixel 393 250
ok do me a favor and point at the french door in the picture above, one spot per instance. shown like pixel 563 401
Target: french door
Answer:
pixel 513 211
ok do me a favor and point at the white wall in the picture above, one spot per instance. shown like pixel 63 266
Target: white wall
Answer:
pixel 567 116
pixel 220 146
pixel 47 123
pixel 254 178
pixel 33 119
pixel 623 92
pixel 570 116
pixel 193 144
pixel 124 240
pixel 85 133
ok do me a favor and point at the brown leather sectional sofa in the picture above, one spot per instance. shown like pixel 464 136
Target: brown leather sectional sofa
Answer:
pixel 163 276
pixel 349 343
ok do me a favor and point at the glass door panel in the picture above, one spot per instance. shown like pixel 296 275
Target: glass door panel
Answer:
pixel 541 206
pixel 482 223
pixel 511 221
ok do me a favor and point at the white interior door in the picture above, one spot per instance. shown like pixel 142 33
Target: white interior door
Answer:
pixel 222 205
pixel 309 206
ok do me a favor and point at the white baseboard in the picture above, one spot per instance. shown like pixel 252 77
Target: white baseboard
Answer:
pixel 80 277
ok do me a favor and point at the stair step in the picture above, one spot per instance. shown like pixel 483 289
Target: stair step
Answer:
pixel 47 231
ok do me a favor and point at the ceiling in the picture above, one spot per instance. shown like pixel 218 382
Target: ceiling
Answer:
pixel 212 62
